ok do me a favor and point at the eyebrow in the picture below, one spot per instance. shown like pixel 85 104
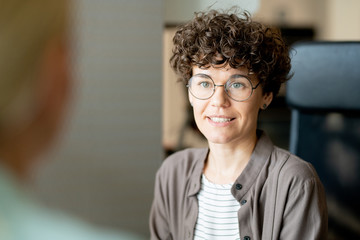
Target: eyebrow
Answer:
pixel 202 75
pixel 234 75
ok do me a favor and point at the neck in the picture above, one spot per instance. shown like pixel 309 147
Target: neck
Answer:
pixel 17 167
pixel 18 155
pixel 227 161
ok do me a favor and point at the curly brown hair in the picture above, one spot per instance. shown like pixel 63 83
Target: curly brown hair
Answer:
pixel 214 38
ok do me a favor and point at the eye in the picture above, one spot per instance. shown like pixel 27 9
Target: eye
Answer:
pixel 205 84
pixel 237 85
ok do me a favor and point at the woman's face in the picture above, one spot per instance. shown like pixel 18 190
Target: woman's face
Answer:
pixel 223 120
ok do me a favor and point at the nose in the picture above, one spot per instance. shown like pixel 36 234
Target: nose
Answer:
pixel 220 97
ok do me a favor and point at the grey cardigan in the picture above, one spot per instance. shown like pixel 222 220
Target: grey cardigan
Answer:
pixel 281 196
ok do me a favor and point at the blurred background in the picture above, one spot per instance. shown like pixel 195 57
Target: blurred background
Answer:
pixel 128 110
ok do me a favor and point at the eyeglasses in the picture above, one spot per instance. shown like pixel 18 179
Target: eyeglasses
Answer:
pixel 238 87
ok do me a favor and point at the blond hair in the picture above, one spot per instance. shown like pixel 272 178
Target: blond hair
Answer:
pixel 26 26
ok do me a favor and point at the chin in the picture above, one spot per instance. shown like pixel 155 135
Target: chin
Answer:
pixel 218 139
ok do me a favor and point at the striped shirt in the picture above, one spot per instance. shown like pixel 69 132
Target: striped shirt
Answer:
pixel 217 217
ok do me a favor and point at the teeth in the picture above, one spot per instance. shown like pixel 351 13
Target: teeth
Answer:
pixel 220 120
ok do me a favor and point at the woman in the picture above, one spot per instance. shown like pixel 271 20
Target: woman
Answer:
pixel 242 186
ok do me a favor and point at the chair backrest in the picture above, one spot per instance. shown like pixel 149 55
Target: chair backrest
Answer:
pixel 324 97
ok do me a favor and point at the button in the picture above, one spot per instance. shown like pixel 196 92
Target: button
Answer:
pixel 247 238
pixel 243 202
pixel 238 186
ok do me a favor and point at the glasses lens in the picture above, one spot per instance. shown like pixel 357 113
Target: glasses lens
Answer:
pixel 239 88
pixel 201 86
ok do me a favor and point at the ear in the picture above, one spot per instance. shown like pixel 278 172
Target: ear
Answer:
pixel 52 92
pixel 267 99
pixel 55 88
pixel 55 77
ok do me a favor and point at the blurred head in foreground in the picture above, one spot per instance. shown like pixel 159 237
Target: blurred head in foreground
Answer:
pixel 34 79
pixel 34 89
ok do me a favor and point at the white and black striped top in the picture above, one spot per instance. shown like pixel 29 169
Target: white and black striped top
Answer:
pixel 217 217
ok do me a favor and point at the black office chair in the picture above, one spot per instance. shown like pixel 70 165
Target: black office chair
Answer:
pixel 324 97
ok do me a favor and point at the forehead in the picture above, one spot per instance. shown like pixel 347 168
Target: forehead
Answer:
pixel 222 72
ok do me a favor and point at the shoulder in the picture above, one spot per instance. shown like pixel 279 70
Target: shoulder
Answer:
pixel 33 221
pixel 184 161
pixel 294 179
pixel 293 168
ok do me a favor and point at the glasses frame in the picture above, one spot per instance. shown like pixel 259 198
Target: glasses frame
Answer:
pixel 223 85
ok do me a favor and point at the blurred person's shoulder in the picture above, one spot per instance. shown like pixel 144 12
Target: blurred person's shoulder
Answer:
pixel 24 218
pixel 56 225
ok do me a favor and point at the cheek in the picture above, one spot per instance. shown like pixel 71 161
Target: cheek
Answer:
pixel 247 112
pixel 191 98
pixel 198 112
pixel 253 114
pixel 255 103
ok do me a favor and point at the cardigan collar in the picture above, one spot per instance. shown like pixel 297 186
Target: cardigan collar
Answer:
pixel 244 182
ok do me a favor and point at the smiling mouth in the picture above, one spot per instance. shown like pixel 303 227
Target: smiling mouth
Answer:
pixel 220 119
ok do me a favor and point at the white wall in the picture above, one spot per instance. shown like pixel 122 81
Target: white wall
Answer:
pixel 105 167
pixel 343 20
pixel 295 13
pixel 178 11
pixel 331 19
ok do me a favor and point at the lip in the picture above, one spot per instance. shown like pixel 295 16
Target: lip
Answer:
pixel 220 120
